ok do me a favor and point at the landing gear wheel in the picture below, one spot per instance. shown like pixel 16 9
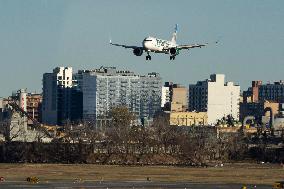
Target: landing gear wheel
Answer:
pixel 148 57
pixel 172 57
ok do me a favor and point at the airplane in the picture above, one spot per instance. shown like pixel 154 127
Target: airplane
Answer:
pixel 152 44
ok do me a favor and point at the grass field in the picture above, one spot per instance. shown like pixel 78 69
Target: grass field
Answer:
pixel 229 173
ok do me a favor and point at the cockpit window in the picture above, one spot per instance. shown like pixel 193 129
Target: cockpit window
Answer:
pixel 147 39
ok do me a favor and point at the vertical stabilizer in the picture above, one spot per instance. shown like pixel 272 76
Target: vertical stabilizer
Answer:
pixel 174 38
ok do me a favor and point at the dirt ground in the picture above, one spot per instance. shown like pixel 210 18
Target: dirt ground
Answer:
pixel 229 173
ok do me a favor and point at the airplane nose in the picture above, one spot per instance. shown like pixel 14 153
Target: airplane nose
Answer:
pixel 146 44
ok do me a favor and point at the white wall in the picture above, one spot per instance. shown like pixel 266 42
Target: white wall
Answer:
pixel 165 96
pixel 223 100
pixel 23 99
pixel 1 103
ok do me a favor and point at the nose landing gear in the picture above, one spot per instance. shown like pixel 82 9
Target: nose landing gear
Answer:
pixel 148 57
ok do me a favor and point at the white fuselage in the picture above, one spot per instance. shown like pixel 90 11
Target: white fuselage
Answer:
pixel 157 45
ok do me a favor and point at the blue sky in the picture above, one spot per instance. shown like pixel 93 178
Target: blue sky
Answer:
pixel 38 35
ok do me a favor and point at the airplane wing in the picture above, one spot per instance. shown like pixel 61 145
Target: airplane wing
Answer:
pixel 193 46
pixel 125 46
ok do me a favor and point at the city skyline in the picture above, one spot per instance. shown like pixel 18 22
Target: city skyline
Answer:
pixel 186 85
pixel 37 36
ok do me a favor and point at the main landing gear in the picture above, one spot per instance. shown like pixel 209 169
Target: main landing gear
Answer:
pixel 172 57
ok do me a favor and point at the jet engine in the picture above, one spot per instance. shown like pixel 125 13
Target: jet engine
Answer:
pixel 138 51
pixel 173 51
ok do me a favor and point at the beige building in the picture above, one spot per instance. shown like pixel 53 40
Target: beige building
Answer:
pixel 177 107
pixel 273 105
pixel 188 118
pixel 174 97
pixel 179 99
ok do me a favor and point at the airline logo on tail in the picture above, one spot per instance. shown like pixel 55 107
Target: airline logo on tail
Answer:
pixel 174 38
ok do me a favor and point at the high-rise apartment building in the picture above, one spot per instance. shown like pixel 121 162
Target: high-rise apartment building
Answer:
pixel 272 91
pixel 260 96
pixel 215 97
pixel 260 92
pixel 60 97
pixel 107 87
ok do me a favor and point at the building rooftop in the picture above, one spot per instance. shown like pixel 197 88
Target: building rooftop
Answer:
pixel 219 78
pixel 112 71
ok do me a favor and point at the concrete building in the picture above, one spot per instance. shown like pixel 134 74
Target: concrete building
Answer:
pixel 107 87
pixel 28 102
pixel 188 118
pixel 179 101
pixel 167 94
pixel 174 97
pixel 279 122
pixel 60 97
pixel 260 92
pixel 166 97
pixel 34 106
pixel 16 127
pixel 215 97
pixel 260 96
pixel 252 94
pixel 257 109
pixel 14 117
pixel 150 95
pixel 272 92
